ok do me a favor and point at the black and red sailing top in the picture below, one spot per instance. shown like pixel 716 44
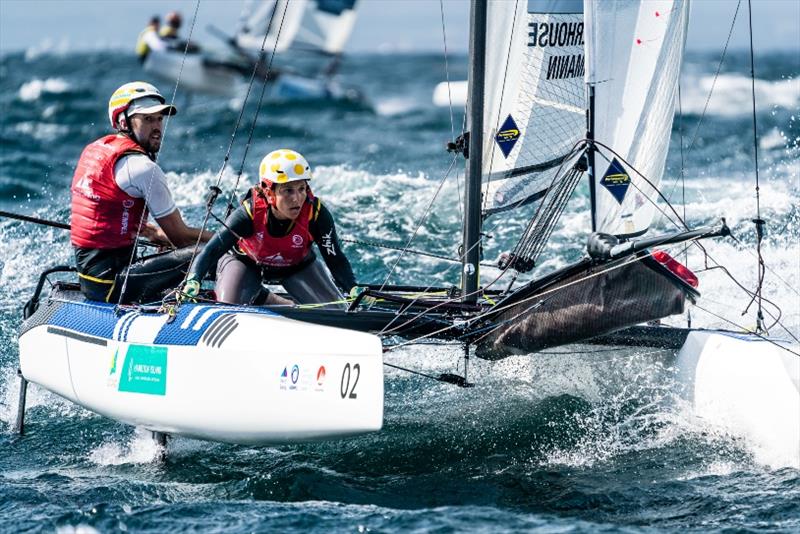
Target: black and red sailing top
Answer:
pixel 286 250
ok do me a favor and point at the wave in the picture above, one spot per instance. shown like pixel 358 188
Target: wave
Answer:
pixel 41 131
pixel 34 89
pixel 732 94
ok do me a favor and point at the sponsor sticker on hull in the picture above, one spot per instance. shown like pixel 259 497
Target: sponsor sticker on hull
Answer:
pixel 144 370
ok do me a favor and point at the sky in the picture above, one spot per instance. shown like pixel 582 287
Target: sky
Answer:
pixel 382 25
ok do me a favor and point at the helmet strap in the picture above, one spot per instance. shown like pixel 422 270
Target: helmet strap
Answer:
pixel 130 133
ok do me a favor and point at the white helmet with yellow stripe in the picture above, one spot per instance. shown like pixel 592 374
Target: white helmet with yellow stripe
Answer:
pixel 137 97
pixel 282 166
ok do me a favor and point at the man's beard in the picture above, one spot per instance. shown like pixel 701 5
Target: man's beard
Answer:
pixel 150 146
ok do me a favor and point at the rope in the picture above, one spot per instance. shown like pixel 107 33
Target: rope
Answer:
pixel 758 221
pixel 143 218
pixel 235 130
pixel 407 250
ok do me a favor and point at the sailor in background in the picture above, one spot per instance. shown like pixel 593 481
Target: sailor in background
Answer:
pixel 149 39
pixel 268 239
pixel 169 34
pixel 116 183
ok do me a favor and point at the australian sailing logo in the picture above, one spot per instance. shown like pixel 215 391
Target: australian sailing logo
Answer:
pixel 507 136
pixel 616 180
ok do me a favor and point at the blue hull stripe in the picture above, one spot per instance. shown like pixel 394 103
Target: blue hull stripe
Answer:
pixel 101 320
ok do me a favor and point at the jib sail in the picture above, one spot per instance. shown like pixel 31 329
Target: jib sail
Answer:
pixel 634 55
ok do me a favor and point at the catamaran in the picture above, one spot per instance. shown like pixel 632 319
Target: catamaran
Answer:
pixel 316 29
pixel 559 92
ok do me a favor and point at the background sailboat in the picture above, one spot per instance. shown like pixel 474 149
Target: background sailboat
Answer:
pixel 272 39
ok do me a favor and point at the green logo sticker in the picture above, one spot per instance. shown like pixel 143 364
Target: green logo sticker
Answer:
pixel 145 370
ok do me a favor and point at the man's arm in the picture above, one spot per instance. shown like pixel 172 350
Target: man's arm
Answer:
pixel 140 177
pixel 178 233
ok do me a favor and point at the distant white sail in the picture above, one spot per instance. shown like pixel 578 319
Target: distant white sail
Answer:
pixel 319 25
pixel 326 25
pixel 535 96
pixel 634 55
pixel 279 28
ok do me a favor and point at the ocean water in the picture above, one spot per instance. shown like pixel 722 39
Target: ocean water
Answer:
pixel 562 441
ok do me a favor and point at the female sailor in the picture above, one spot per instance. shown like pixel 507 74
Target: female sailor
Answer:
pixel 268 239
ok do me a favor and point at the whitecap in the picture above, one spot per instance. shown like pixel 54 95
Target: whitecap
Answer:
pixel 395 106
pixel 33 89
pixel 732 94
pixel 42 131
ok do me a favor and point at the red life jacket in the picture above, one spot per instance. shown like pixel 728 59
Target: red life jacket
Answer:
pixel 279 251
pixel 103 215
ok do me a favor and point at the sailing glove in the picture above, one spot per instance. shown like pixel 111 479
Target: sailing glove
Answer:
pixel 366 301
pixel 189 290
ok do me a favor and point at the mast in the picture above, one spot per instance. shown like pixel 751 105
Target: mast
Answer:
pixel 590 163
pixel 472 198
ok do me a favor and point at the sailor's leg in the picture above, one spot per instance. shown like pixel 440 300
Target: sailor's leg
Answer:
pixel 237 282
pixel 313 285
pixel 149 277
pixel 23 394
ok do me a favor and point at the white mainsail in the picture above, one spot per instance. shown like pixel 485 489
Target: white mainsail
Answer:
pixel 318 25
pixel 326 25
pixel 535 96
pixel 276 20
pixel 634 55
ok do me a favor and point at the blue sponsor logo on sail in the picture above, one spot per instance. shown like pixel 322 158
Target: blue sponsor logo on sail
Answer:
pixel 507 136
pixel 616 180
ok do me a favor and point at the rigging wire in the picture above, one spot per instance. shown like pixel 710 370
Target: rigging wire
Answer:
pixel 683 187
pixel 143 217
pixel 450 105
pixel 421 221
pixel 407 250
pixel 386 330
pixel 758 221
pixel 236 128
pixel 699 245
pixel 447 74
pixel 716 76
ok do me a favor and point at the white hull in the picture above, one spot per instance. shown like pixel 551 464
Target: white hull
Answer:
pixel 455 92
pixel 225 375
pixel 747 386
pixel 195 75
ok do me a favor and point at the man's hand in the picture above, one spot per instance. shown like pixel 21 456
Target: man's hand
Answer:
pixel 155 235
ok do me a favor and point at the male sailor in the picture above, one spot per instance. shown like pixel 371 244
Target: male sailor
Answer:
pixel 269 239
pixel 149 40
pixel 116 183
pixel 169 34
